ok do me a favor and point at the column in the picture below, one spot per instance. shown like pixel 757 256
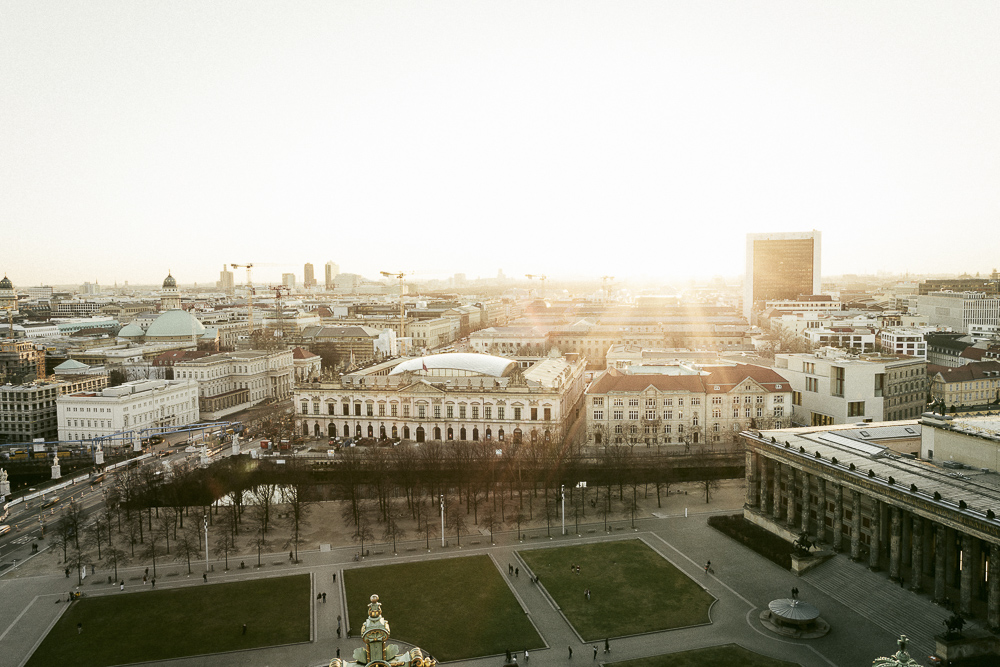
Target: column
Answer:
pixel 838 515
pixel 753 479
pixel 966 582
pixel 895 543
pixel 917 553
pixel 776 478
pixel 856 525
pixel 940 548
pixel 876 528
pixel 807 505
pixel 993 599
pixel 950 558
pixel 790 493
pixel 906 548
pixel 765 491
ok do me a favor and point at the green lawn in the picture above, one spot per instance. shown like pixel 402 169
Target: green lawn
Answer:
pixel 727 655
pixel 453 609
pixel 633 589
pixel 170 623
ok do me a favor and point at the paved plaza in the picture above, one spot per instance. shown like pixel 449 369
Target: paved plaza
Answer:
pixel 866 611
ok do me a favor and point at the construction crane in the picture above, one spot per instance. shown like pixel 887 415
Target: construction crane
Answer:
pixel 398 276
pixel 278 289
pixel 543 278
pixel 249 296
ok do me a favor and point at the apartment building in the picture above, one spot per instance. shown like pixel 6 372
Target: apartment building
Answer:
pixel 130 406
pixel 833 387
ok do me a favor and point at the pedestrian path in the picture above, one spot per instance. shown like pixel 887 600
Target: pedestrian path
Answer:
pixel 892 608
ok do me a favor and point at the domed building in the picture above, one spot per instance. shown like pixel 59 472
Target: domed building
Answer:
pixel 8 297
pixel 175 326
pixel 131 332
pixel 169 297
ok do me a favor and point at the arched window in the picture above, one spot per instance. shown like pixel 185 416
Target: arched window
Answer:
pixel 305 428
pixel 406 432
pixel 394 433
pixel 451 433
pixel 332 430
pixel 461 433
pixel 500 435
pixel 489 433
pixel 316 430
pixel 475 434
pixel 371 431
pixel 437 432
pixel 381 431
pixel 517 436
pixel 548 436
pixel 357 430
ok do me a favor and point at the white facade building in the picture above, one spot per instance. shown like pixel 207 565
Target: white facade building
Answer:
pixel 233 381
pixel 834 387
pixel 131 406
pixel 446 397
pixel 904 340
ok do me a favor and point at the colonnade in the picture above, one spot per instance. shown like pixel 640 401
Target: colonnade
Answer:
pixel 932 554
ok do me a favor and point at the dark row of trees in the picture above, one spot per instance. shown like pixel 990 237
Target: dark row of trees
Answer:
pixel 151 513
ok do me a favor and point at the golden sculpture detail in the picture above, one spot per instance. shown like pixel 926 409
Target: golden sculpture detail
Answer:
pixel 375 652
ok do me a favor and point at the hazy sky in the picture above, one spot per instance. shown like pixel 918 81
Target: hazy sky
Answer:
pixel 566 138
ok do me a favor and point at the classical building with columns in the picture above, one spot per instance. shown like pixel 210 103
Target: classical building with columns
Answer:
pixel 932 525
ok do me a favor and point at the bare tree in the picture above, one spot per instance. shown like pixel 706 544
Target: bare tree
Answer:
pixel 258 539
pixel 75 517
pixel 95 535
pixel 151 547
pixel 298 510
pixel 116 556
pixel 63 536
pixel 455 519
pixel 187 543
pixel 225 543
pixel 392 528
pixel 490 521
pixel 363 529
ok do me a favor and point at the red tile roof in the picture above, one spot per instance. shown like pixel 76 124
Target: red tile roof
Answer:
pixel 301 353
pixel 975 371
pixel 725 378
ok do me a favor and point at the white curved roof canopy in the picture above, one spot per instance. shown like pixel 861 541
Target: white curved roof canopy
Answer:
pixel 462 362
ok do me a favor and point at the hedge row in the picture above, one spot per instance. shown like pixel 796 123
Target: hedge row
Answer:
pixel 768 545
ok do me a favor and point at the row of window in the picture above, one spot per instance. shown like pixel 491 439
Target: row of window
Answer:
pixel 449 411
pixel 668 415
pixel 598 401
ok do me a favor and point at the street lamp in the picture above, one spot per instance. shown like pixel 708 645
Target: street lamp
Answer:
pixel 206 543
pixel 562 496
pixel 442 519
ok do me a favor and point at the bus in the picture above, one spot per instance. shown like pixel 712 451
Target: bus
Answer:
pixel 4 529
pixel 4 511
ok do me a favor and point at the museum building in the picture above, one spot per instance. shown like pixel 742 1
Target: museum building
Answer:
pixel 929 521
pixel 453 396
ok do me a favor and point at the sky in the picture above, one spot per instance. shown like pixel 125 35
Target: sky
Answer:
pixel 634 139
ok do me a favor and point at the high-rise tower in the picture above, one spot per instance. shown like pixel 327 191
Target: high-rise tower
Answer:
pixel 780 266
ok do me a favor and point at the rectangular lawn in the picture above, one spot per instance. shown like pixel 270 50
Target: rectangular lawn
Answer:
pixel 175 622
pixel 633 589
pixel 453 609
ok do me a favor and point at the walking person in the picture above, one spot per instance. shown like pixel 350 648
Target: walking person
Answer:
pixel 607 646
pixel 122 587
pixel 708 566
pixel 595 651
pixel 525 655
pixel 517 572
pixel 324 598
pixel 79 628
pixel 244 628
pixel 508 656
pixel 154 582
pixel 338 651
pixel 204 576
pixel 570 652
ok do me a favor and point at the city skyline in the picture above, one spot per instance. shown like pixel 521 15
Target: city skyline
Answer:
pixel 591 139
